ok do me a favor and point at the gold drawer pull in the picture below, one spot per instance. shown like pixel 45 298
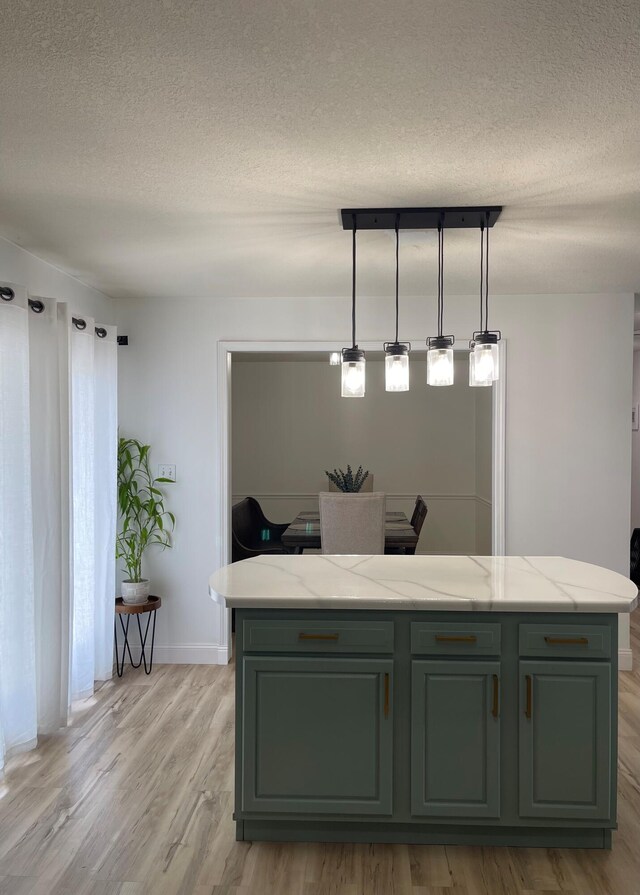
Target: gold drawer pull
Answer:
pixel 496 696
pixel 576 641
pixel 386 694
pixel 303 636
pixel 460 638
pixel 527 711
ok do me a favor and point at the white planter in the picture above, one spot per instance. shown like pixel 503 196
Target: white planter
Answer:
pixel 135 591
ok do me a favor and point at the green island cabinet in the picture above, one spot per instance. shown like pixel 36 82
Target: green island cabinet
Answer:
pixel 426 726
pixel 425 699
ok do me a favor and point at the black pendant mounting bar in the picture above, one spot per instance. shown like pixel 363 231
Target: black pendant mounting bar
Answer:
pixel 465 218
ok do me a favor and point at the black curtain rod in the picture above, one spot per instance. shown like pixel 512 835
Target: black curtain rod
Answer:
pixel 37 306
pixel 81 324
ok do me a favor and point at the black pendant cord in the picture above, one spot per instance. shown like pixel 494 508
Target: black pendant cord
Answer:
pixel 440 278
pixel 353 287
pixel 397 275
pixel 486 286
pixel 484 336
pixel 482 328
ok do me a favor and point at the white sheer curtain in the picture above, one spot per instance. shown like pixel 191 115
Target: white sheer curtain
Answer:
pixel 83 508
pixel 58 452
pixel 49 369
pixel 17 627
pixel 93 463
pixel 105 502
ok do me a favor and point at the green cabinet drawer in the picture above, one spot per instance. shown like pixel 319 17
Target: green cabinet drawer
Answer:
pixel 565 740
pixel 314 636
pixel 455 638
pixel 317 735
pixel 565 641
pixel 455 738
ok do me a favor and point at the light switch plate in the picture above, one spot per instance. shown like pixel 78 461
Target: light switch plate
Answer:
pixel 167 471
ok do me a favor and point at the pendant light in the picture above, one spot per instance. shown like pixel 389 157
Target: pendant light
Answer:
pixel 484 358
pixel 440 348
pixel 334 358
pixel 353 360
pixel 396 362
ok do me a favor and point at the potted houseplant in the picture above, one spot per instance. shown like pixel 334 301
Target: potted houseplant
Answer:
pixel 348 481
pixel 143 518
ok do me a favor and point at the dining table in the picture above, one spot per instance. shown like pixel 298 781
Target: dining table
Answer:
pixel 304 533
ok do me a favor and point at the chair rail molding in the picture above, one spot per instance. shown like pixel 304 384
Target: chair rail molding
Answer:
pixel 225 350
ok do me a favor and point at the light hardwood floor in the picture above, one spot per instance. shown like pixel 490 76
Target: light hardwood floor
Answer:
pixel 135 798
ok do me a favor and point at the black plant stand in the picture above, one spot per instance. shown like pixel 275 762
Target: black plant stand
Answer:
pixel 137 609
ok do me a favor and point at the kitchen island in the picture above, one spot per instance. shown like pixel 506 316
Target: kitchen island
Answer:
pixel 426 699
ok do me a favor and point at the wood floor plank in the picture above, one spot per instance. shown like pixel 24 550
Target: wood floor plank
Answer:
pixel 136 798
pixel 430 866
pixel 539 870
pixel 29 885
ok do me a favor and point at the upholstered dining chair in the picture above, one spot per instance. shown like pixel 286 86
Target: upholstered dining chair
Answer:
pixel 352 523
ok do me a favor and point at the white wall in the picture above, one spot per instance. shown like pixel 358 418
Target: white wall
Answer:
pixel 40 278
pixel 290 424
pixel 635 442
pixel 568 449
pixel 483 469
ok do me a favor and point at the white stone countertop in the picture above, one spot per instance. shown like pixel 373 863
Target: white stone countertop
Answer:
pixel 459 583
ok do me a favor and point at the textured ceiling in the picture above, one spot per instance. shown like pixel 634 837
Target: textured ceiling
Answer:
pixel 204 147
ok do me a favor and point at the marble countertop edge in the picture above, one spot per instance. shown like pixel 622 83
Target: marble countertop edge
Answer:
pixel 423 583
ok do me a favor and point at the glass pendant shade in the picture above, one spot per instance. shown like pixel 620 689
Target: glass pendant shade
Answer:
pixel 440 366
pixel 396 366
pixel 353 373
pixel 483 364
pixel 440 360
pixel 396 372
pixel 334 358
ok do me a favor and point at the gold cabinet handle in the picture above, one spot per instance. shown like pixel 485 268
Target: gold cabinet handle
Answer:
pixel 527 711
pixel 459 638
pixel 496 696
pixel 386 694
pixel 576 641
pixel 303 636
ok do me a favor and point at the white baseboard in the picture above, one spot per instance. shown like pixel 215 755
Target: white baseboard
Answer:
pixel 190 654
pixel 625 660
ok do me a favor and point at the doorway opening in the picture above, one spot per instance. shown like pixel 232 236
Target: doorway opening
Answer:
pixel 289 426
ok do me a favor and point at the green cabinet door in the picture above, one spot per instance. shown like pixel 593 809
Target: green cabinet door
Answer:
pixel 565 739
pixel 317 735
pixel 455 738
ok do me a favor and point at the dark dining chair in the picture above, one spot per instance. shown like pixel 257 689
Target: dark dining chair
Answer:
pixel 252 533
pixel 634 566
pixel 418 516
